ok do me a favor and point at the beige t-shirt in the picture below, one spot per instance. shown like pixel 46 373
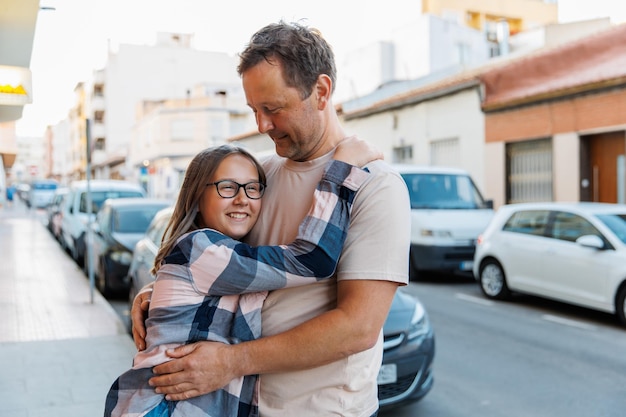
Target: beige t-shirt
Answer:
pixel 377 247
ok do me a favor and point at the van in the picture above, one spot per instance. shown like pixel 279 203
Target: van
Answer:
pixel 448 213
pixel 75 216
pixel 41 193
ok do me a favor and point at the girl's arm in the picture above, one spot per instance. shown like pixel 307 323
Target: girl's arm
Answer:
pixel 220 265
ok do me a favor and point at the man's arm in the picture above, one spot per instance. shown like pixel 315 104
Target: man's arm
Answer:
pixel 353 326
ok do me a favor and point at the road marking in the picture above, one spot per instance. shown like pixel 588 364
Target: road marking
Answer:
pixel 568 322
pixel 472 299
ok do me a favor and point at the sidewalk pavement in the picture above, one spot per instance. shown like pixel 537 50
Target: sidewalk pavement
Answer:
pixel 61 344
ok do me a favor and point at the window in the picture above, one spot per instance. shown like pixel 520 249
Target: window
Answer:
pixel 530 222
pixel 156 232
pixel 100 144
pixel 615 222
pixel 98 116
pixel 133 220
pixel 98 90
pixel 445 152
pixel 98 197
pixel 403 154
pixel 569 226
pixel 529 171
pixel 442 191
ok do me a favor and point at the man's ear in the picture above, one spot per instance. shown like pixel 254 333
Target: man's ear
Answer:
pixel 323 89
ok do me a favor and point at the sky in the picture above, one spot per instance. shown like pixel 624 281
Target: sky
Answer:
pixel 73 39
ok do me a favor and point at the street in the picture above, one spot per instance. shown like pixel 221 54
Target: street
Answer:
pixel 527 357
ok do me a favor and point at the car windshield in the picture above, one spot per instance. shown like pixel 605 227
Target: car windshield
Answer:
pixel 443 191
pixel 44 185
pixel 98 197
pixel 134 220
pixel 615 222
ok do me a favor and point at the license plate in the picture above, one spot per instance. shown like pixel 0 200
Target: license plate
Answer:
pixel 388 374
pixel 466 266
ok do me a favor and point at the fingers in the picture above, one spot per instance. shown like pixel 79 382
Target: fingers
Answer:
pixel 138 314
pixel 175 383
pixel 166 371
pixel 181 351
pixel 185 395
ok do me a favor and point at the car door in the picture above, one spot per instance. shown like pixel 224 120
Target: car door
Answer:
pixel 145 254
pixel 575 273
pixel 100 229
pixel 521 246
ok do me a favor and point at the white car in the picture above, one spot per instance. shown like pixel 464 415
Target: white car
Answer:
pixel 569 252
pixel 447 215
pixel 75 211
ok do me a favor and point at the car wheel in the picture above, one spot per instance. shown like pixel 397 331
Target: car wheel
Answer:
pixel 620 305
pixel 493 281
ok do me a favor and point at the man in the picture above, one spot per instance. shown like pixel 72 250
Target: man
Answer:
pixel 322 344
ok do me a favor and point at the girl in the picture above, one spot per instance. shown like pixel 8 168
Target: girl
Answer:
pixel 209 286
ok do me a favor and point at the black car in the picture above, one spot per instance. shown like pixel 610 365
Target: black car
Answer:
pixel 119 224
pixel 409 348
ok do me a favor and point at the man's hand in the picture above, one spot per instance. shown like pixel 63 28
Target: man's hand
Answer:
pixel 196 369
pixel 138 315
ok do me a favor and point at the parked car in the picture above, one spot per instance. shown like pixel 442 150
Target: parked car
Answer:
pixel 409 348
pixel 22 190
pixel 54 212
pixel 75 216
pixel 119 224
pixel 144 253
pixel 569 252
pixel 448 213
pixel 40 193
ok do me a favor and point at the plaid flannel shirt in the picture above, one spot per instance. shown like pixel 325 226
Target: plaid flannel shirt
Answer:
pixel 212 287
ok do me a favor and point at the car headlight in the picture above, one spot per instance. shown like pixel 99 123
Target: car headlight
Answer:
pixel 124 258
pixel 436 233
pixel 420 324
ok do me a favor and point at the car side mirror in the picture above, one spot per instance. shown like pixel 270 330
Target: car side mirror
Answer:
pixel 591 241
pixel 95 227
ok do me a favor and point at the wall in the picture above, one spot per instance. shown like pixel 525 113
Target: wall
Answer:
pixel 578 114
pixel 457 115
pixel 565 166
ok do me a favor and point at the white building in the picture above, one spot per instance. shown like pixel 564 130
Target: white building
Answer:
pixel 169 133
pixel 61 166
pixel 135 73
pixel 429 45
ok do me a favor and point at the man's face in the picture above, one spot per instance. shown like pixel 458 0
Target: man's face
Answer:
pixel 296 126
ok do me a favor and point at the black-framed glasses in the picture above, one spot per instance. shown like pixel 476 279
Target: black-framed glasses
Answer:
pixel 229 189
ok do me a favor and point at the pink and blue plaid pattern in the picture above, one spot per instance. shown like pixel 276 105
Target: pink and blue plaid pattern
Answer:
pixel 212 287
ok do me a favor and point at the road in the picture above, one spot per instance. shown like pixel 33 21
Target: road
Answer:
pixel 527 357
pixel 524 358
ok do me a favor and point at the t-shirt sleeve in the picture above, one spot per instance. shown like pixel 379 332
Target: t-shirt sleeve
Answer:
pixel 377 246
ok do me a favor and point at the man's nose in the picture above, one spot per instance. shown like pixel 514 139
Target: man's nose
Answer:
pixel 264 123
